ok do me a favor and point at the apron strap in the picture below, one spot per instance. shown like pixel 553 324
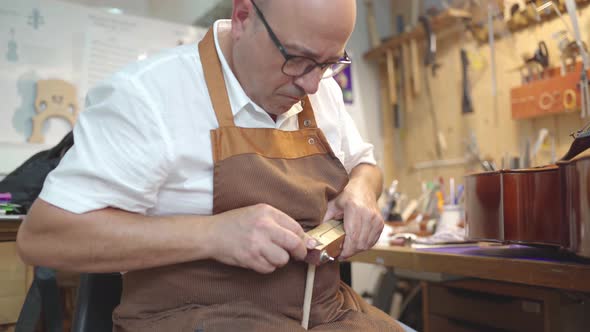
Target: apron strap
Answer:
pixel 218 92
pixel 215 81
pixel 306 118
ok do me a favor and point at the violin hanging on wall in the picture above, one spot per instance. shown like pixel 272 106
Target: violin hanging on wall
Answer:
pixel 547 205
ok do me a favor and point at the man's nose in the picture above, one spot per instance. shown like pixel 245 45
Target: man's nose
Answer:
pixel 310 81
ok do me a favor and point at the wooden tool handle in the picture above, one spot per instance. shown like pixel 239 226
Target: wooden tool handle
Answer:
pixel 408 98
pixel 372 24
pixel 416 83
pixel 308 295
pixel 391 77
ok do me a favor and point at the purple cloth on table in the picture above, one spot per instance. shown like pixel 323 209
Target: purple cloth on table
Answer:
pixel 514 251
pixel 5 197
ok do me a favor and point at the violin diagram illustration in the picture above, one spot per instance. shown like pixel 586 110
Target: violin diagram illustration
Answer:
pixel 12 52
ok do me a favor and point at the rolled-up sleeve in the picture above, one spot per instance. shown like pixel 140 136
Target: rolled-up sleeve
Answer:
pixel 121 153
pixel 356 150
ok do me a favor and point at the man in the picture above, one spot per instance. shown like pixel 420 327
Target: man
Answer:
pixel 198 172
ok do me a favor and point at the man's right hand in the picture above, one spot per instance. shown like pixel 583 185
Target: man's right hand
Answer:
pixel 257 237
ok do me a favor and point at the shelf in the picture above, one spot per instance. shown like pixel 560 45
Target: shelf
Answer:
pixel 438 22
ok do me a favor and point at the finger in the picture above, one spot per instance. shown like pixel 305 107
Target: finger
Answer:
pixel 372 226
pixel 365 231
pixel 288 223
pixel 283 220
pixel 288 241
pixel 275 255
pixel 262 265
pixel 351 227
pixel 378 229
pixel 371 231
pixel 332 211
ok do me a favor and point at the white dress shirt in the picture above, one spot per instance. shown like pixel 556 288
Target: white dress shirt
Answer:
pixel 143 143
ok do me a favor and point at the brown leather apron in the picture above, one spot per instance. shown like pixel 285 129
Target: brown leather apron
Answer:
pixel 293 171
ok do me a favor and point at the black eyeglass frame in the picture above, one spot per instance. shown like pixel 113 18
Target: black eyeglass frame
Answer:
pixel 344 61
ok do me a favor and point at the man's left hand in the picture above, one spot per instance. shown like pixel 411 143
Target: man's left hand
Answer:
pixel 363 223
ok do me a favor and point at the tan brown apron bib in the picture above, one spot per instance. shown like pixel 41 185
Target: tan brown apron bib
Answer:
pixel 293 171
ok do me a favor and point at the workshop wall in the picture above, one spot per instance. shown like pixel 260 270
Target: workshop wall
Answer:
pixel 72 55
pixel 497 134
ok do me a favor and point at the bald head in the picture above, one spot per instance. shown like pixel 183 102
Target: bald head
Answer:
pixel 330 19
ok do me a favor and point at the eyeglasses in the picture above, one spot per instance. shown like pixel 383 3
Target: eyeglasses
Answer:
pixel 298 65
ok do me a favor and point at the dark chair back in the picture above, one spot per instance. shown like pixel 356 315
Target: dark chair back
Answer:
pixel 98 295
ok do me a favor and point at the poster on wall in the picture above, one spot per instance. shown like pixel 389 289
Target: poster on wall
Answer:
pixel 113 41
pixel 51 53
pixel 36 43
pixel 344 79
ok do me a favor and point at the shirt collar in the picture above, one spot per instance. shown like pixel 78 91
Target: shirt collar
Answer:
pixel 238 98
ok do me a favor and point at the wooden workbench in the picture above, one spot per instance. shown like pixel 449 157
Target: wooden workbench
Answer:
pixel 516 264
pixel 9 226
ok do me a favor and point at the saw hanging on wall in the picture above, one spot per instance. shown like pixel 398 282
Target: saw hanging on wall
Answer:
pixel 431 63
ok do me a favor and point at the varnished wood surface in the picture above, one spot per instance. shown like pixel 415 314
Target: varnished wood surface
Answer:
pixel 576 202
pixel 493 263
pixel 9 226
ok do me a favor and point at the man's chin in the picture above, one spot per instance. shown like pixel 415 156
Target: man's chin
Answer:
pixel 280 109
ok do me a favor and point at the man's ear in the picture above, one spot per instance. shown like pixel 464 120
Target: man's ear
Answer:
pixel 241 17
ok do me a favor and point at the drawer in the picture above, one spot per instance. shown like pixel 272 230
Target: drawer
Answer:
pixel 499 311
pixel 445 324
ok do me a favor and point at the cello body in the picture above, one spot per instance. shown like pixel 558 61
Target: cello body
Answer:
pixel 516 206
pixel 545 205
pixel 575 190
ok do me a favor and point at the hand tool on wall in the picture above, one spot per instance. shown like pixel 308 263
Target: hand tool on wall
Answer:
pixel 569 51
pixel 401 105
pixel 472 155
pixel 534 66
pixel 571 9
pixel 392 86
pixel 430 61
pixel 525 156
pixel 430 54
pixel 541 55
pixel 438 137
pixel 542 136
pixel 372 24
pixel 415 67
pixel 391 77
pixel 555 7
pixel 491 14
pixel 467 104
pixel 415 12
pixel 407 78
